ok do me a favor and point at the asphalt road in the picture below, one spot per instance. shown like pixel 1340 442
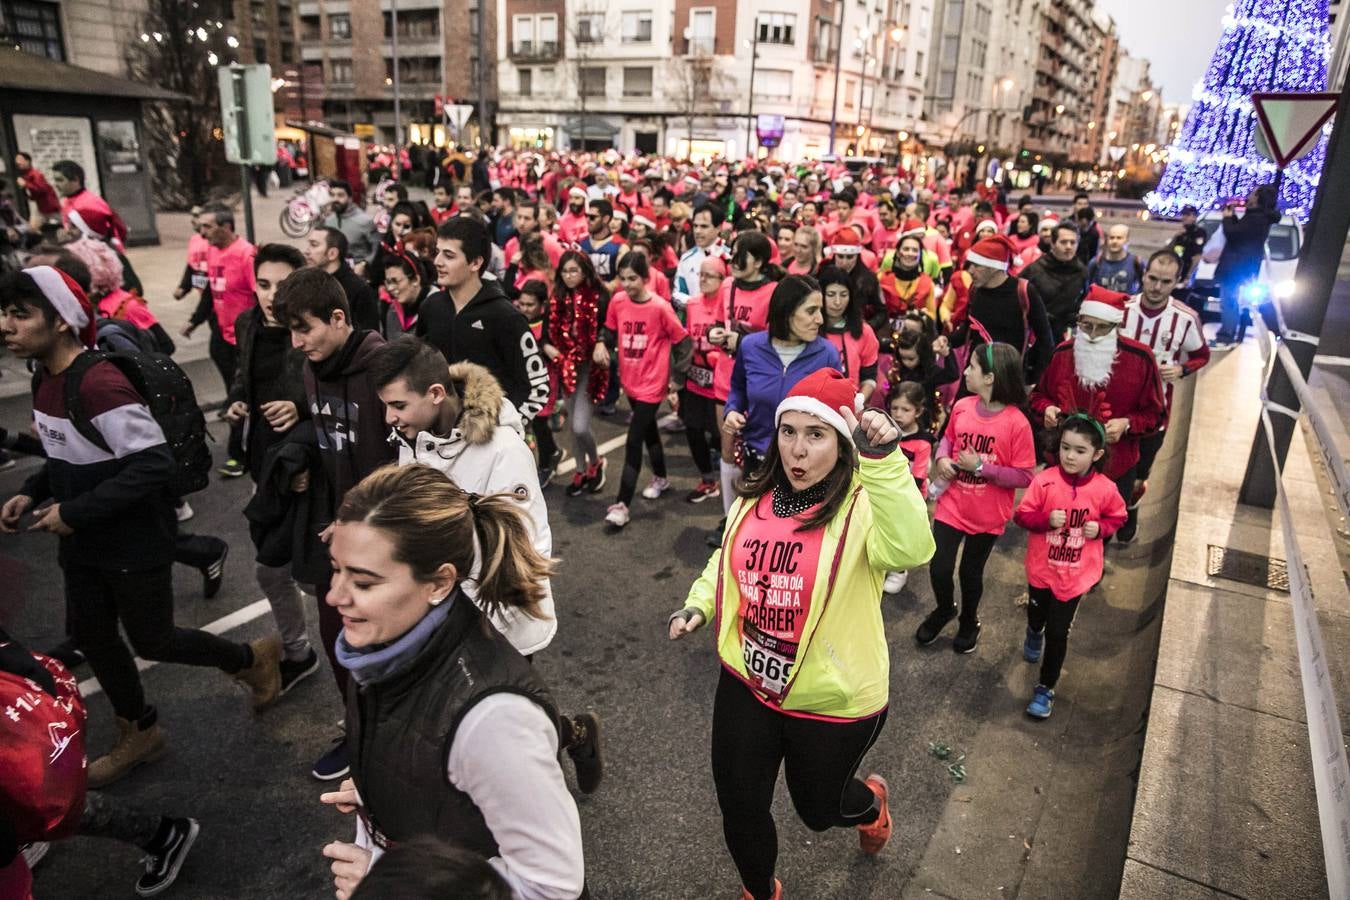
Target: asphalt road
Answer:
pixel 1044 811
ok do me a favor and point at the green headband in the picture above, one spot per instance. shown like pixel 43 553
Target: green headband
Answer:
pixel 989 358
pixel 1101 432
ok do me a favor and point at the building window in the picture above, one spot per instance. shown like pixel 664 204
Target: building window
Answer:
pixel 32 26
pixel 287 52
pixel 850 91
pixel 591 28
pixel 522 35
pixel 526 82
pixel 591 81
pixel 918 62
pixel 773 84
pixel 340 27
pixel 340 71
pixel 414 24
pixel 260 51
pixel 309 29
pixel 534 35
pixel 415 69
pixel 637 81
pixel 637 27
pixel 777 28
pixel 702 32
pixel 824 38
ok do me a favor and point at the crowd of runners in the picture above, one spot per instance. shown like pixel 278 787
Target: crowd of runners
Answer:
pixel 874 378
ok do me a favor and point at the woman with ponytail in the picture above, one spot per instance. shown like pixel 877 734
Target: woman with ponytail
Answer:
pixel 451 731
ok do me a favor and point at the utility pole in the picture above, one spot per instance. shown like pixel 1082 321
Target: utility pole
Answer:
pixel 750 101
pixel 1315 277
pixel 482 75
pixel 398 112
pixel 838 59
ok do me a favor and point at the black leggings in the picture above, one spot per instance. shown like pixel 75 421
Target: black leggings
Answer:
pixel 943 565
pixel 98 600
pixel 642 430
pixel 543 439
pixel 1055 618
pixel 750 742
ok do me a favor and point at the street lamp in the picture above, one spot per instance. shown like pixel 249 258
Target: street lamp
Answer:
pixel 753 45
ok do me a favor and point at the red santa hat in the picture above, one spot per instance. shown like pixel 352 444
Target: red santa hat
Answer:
pixel 640 219
pixel 1109 306
pixel 821 394
pixel 846 241
pixel 986 223
pixel 620 213
pixel 578 192
pixel 912 228
pixel 995 251
pixel 68 299
pixel 1048 220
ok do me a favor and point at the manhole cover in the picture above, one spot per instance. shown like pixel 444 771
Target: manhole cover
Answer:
pixel 1248 568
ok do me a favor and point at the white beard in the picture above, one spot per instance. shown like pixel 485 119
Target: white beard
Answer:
pixel 1092 359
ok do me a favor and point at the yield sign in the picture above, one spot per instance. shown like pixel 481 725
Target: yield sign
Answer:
pixel 1291 121
pixel 458 114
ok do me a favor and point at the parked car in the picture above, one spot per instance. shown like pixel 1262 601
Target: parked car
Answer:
pixel 1277 270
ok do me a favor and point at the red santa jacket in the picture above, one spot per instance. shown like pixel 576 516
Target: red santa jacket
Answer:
pixel 1133 391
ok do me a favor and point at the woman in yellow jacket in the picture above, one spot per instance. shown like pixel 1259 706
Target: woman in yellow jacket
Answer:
pixel 794 594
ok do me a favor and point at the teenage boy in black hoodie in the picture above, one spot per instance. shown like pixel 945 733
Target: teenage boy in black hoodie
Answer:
pixel 114 516
pixel 472 320
pixel 348 419
pixel 268 398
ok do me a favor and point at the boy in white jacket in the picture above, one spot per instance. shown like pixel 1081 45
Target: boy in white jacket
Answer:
pixel 456 419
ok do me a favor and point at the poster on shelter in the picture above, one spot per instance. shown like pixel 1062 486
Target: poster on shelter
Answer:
pixel 51 138
pixel 119 147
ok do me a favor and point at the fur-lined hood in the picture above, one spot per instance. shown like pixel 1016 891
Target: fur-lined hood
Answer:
pixel 485 404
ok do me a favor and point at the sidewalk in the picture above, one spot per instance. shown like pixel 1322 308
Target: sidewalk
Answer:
pixel 1226 805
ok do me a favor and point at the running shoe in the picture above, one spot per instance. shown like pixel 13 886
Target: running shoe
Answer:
pixel 873 837
pixel 294 671
pixel 595 476
pixel 232 468
pixel 1222 344
pixel 967 636
pixel 578 482
pixel 606 409
pixel 33 853
pixel 548 466
pixel 1041 702
pixel 714 537
pixel 183 511
pixel 617 515
pixel 931 627
pixel 585 752
pixel 1126 533
pixel 1140 489
pixel 894 583
pixel 334 764
pixel 656 488
pixel 671 424
pixel 67 654
pixel 704 490
pixel 777 892
pixel 263 675
pixel 163 862
pixel 1033 644
pixel 213 573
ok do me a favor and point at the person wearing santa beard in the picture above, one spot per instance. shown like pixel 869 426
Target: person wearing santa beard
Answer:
pixel 572 227
pixel 1110 377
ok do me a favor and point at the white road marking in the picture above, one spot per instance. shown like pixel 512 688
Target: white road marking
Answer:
pixel 259 608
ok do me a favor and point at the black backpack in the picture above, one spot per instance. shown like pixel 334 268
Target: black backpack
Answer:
pixel 168 392
pixel 120 336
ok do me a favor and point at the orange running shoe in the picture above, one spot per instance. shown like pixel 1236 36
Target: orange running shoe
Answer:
pixel 777 892
pixel 872 838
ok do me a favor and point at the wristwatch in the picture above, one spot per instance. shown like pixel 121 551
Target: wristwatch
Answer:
pixel 979 468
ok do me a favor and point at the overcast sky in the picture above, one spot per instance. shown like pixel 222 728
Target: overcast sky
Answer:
pixel 1177 37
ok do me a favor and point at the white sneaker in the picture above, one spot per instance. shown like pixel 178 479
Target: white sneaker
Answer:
pixel 617 515
pixel 34 852
pixel 184 511
pixel 657 487
pixel 895 581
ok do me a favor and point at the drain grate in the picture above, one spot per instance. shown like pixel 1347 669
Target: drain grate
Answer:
pixel 1248 568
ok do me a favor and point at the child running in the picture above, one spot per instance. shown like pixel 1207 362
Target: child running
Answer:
pixel 532 303
pixel 905 403
pixel 698 398
pixel 1068 511
pixel 986 454
pixel 644 330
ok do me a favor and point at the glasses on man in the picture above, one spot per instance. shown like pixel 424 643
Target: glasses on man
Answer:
pixel 592 215
pixel 1095 329
pixel 712 276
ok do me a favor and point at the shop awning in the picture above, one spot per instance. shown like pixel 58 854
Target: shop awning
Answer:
pixel 591 128
pixel 20 71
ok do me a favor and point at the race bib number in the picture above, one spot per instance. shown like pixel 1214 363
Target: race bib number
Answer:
pixel 768 661
pixel 700 376
pixel 199 281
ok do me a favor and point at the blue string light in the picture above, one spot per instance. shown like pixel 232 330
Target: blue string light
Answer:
pixel 1266 45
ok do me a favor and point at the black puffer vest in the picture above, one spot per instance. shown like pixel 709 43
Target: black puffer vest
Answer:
pixel 400 730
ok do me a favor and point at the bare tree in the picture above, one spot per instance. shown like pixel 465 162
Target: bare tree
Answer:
pixel 586 36
pixel 696 87
pixel 178 48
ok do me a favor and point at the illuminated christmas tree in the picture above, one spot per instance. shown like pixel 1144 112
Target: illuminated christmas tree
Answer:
pixel 1266 45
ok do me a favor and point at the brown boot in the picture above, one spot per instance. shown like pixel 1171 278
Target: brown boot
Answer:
pixel 136 744
pixel 264 676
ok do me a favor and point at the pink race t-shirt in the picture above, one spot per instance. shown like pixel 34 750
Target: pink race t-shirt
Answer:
pixel 971 503
pixel 231 276
pixel 775 567
pixel 1063 559
pixel 646 333
pixel 855 352
pixel 700 315
pixel 744 312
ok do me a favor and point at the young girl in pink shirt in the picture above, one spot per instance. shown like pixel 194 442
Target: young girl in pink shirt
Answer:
pixel 1068 510
pixel 986 454
pixel 905 403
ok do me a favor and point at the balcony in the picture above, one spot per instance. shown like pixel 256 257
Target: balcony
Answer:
pixel 535 51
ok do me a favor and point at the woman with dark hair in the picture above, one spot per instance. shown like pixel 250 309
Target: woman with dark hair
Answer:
pixel 769 363
pixel 576 311
pixel 845 329
pixel 904 285
pixel 1026 237
pixel 406 285
pixel 794 592
pixel 453 733
pixel 402 220
pixel 534 265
